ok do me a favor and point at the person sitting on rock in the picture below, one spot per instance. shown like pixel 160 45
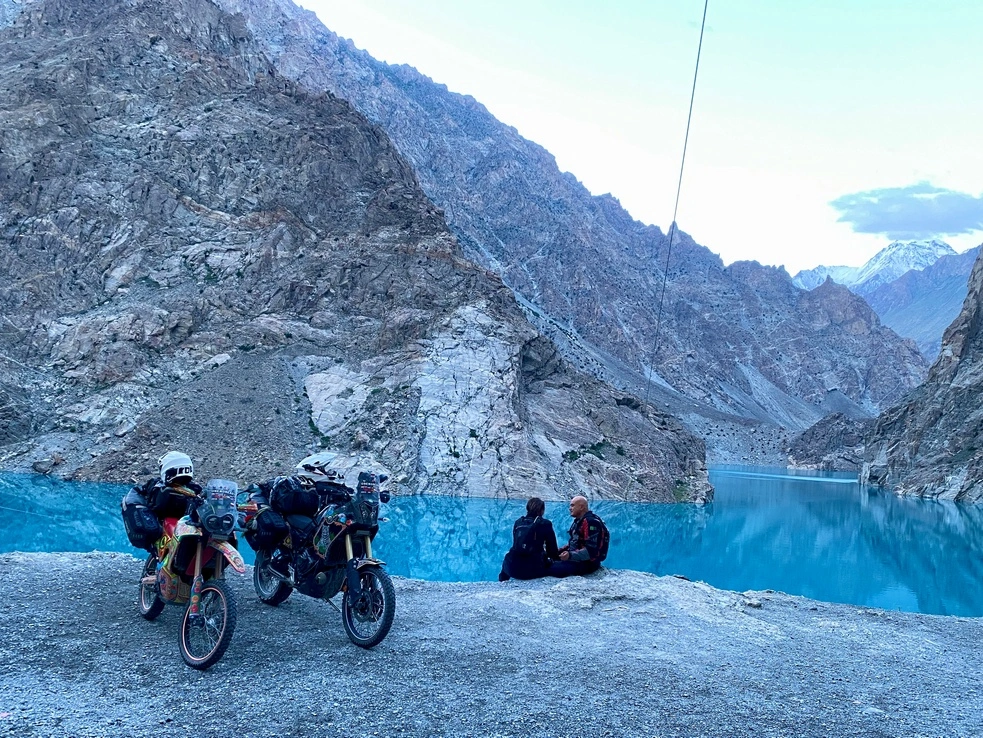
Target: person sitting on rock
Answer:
pixel 588 542
pixel 533 545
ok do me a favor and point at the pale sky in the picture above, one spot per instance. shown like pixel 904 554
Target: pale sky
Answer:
pixel 822 129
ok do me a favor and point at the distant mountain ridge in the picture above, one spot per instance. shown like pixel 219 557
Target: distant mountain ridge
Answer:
pixel 931 444
pixel 922 304
pixel 809 279
pixel 738 347
pixel 915 287
pixel 885 266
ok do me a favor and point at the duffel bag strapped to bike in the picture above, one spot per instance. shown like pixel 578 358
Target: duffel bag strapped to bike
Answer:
pixel 267 530
pixel 142 526
pixel 290 497
pixel 172 501
pixel 259 494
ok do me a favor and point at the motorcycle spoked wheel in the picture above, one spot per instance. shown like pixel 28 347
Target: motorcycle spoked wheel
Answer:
pixel 204 641
pixel 368 620
pixel 268 588
pixel 149 601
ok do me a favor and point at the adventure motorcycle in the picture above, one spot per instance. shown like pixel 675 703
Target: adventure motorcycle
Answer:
pixel 313 534
pixel 188 565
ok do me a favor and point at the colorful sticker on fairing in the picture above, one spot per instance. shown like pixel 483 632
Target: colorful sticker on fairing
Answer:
pixel 234 557
pixel 184 527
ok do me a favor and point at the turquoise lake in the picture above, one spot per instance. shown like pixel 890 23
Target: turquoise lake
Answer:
pixel 817 535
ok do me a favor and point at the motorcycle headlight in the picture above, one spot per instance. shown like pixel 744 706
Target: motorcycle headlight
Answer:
pixel 220 524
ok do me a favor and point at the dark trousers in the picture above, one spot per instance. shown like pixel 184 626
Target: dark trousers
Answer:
pixel 572 568
pixel 522 568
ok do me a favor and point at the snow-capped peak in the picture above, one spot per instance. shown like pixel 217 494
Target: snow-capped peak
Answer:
pixel 899 257
pixel 885 266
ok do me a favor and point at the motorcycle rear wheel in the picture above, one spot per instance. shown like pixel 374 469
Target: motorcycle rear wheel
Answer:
pixel 268 588
pixel 368 620
pixel 204 642
pixel 148 599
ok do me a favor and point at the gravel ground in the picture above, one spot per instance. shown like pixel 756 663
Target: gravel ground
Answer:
pixel 619 653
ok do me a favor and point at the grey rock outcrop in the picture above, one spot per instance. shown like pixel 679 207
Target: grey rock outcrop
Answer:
pixel 16 414
pixel 202 253
pixel 931 445
pixel 835 443
pixel 735 349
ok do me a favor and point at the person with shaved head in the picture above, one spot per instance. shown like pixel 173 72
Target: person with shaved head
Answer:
pixel 588 542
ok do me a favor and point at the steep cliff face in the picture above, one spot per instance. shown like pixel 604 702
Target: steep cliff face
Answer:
pixel 931 444
pixel 201 253
pixel 736 345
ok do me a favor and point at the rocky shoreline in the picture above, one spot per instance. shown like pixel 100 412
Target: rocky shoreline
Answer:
pixel 619 653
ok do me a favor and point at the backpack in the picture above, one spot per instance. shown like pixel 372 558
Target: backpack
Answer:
pixel 290 497
pixel 523 541
pixel 266 530
pixel 605 540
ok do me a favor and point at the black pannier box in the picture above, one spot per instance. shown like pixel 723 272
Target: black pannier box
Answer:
pixel 269 531
pixel 142 526
pixel 290 497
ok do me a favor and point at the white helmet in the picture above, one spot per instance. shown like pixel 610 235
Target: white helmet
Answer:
pixel 310 472
pixel 176 467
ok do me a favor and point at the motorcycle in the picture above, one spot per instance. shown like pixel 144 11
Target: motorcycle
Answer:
pixel 187 567
pixel 325 548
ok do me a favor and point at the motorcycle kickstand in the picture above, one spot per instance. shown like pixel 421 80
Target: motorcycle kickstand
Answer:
pixel 332 603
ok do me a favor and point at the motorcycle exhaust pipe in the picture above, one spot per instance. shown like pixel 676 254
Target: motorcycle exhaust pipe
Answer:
pixel 322 578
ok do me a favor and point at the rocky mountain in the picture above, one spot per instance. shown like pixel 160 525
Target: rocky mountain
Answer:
pixel 931 444
pixel 835 443
pixel 199 252
pixel 921 304
pixel 809 279
pixel 739 352
pixel 887 265
pixel 896 259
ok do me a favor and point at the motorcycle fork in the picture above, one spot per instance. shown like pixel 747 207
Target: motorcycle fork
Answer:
pixel 197 585
pixel 352 577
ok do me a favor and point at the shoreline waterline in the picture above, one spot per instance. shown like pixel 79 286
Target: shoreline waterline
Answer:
pixel 816 535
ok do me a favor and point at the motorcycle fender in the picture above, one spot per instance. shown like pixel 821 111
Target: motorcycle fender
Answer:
pixel 361 563
pixel 234 557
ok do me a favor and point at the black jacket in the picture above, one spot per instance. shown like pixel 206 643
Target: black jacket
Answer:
pixel 541 547
pixel 585 538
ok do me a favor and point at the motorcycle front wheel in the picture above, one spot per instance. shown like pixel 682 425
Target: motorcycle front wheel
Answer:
pixel 368 619
pixel 268 588
pixel 149 601
pixel 204 639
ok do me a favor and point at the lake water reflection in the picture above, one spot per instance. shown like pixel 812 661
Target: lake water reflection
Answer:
pixel 817 535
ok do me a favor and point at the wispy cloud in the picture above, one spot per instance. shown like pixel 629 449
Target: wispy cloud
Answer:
pixel 918 211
